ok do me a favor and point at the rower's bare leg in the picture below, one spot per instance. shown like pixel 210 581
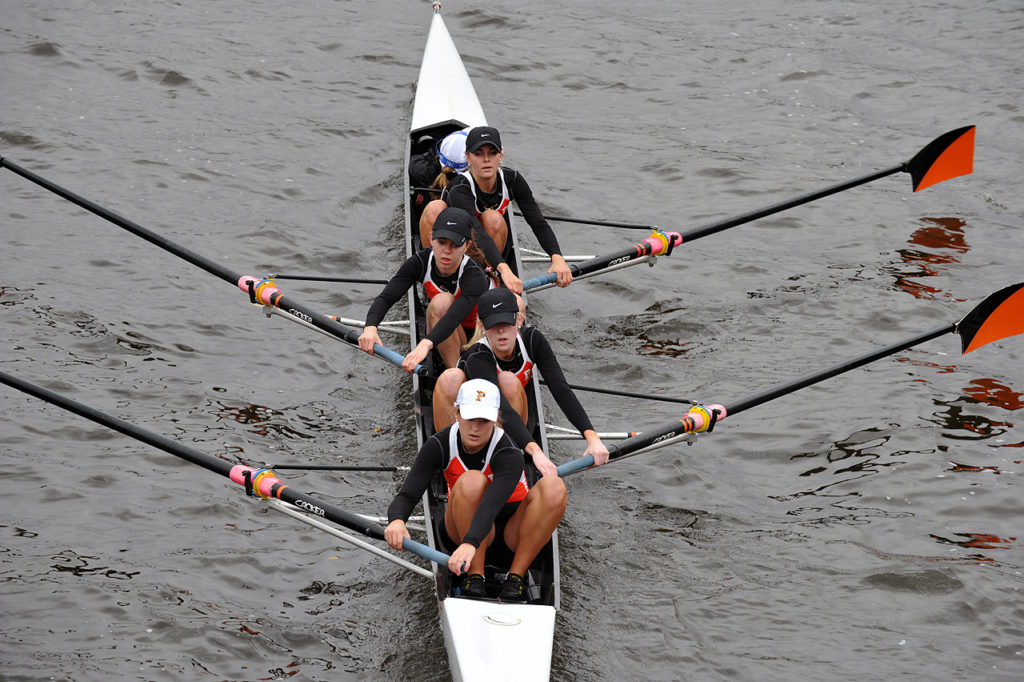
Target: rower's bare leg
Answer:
pixel 427 218
pixel 494 223
pixel 446 391
pixel 450 348
pixel 465 497
pixel 537 517
pixel 512 389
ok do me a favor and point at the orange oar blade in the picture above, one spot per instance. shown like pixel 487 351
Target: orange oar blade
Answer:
pixel 998 316
pixel 948 156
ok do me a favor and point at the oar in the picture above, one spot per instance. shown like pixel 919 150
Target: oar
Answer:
pixel 998 316
pixel 259 289
pixel 334 467
pixel 626 394
pixel 259 482
pixel 948 156
pixel 323 278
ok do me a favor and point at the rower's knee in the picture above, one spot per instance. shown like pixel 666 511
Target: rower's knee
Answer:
pixel 494 223
pixel 511 388
pixel 439 305
pixel 507 381
pixel 552 492
pixel 471 486
pixel 427 218
pixel 449 382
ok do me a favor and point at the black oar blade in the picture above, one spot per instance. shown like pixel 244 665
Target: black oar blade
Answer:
pixel 997 317
pixel 948 156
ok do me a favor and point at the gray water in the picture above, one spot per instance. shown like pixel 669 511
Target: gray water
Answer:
pixel 867 528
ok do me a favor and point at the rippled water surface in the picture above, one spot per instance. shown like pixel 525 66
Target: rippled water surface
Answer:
pixel 866 528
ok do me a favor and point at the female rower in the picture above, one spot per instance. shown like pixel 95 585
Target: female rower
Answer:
pixel 508 356
pixel 434 168
pixel 489 499
pixel 487 189
pixel 453 282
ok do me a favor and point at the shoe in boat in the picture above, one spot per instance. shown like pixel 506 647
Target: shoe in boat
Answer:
pixel 473 586
pixel 513 590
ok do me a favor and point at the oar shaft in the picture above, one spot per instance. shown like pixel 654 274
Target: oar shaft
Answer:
pixel 695 420
pixel 718 226
pixel 205 263
pixel 626 394
pixel 816 377
pixel 267 487
pixel 215 465
pixel 321 278
pixel 268 296
pixel 650 246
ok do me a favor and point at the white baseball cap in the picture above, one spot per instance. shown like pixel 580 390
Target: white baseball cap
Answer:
pixel 478 399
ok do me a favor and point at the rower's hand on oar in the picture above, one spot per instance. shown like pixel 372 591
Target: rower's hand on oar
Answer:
pixel 509 279
pixel 395 533
pixel 561 270
pixel 544 465
pixel 367 339
pixel 596 448
pixel 417 355
pixel 462 557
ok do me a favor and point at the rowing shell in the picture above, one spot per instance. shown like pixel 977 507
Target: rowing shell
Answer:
pixel 485 639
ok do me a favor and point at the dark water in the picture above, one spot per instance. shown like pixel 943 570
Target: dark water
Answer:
pixel 868 528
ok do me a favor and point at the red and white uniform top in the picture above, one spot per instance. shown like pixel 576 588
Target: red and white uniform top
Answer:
pixel 525 370
pixel 456 467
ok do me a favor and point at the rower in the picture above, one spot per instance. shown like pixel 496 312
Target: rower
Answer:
pixel 453 282
pixel 510 356
pixel 489 500
pixel 487 190
pixel 432 170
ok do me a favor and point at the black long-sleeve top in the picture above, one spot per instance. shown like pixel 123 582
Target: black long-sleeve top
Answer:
pixel 471 285
pixel 479 362
pixel 459 193
pixel 506 466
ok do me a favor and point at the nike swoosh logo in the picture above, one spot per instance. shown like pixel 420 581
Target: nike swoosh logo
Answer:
pixel 495 305
pixel 451 223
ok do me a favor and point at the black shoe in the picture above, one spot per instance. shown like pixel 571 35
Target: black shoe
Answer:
pixel 513 590
pixel 473 586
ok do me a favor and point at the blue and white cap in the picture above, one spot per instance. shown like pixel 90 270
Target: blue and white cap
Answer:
pixel 451 151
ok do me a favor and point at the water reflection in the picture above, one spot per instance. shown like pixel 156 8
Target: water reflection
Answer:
pixel 262 418
pixel 939 243
pixel 977 540
pixel 80 565
pixel 960 424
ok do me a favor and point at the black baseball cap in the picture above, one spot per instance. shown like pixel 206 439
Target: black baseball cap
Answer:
pixel 482 135
pixel 497 306
pixel 454 224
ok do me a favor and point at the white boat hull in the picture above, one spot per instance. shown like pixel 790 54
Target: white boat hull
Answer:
pixel 491 642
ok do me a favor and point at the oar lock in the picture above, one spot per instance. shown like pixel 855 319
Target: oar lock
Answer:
pixel 662 242
pixel 252 479
pixel 708 418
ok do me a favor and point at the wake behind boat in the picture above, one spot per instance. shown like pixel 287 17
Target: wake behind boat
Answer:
pixel 485 639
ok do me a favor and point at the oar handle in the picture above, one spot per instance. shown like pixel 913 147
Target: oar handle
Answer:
pixel 575 465
pixel 394 357
pixel 428 553
pixel 540 280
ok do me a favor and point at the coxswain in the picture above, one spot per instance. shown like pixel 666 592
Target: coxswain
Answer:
pixel 489 500
pixel 510 355
pixel 487 190
pixel 453 282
